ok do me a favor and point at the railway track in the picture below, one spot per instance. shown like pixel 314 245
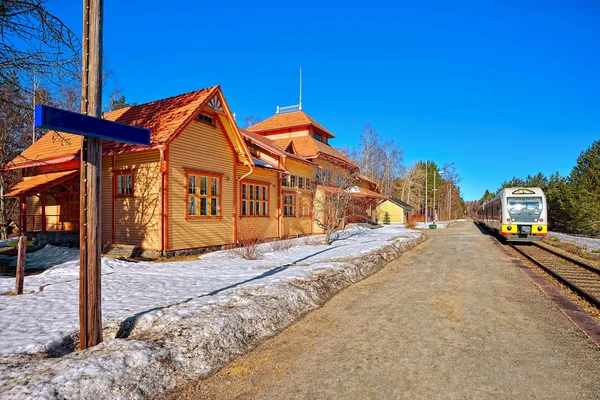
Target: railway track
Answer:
pixel 582 278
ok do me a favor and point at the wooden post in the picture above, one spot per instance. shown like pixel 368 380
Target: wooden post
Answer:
pixel 21 264
pixel 90 314
pixel 24 214
pixel 43 211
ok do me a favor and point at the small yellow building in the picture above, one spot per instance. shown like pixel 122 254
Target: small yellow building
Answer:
pixel 397 209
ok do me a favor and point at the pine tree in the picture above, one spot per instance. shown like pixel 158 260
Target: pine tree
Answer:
pixel 584 196
pixel 386 218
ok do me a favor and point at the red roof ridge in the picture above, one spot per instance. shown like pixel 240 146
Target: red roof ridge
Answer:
pixel 124 109
pixel 288 120
pixel 164 117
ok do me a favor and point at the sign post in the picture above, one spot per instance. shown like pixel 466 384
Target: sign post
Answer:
pixel 90 290
pixel 93 129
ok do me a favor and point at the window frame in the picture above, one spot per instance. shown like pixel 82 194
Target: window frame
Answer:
pixel 203 116
pixel 209 176
pixel 294 204
pixel 251 200
pixel 116 175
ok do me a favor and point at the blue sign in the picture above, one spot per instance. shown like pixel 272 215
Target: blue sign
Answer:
pixel 47 117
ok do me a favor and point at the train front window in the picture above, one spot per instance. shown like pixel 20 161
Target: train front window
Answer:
pixel 524 205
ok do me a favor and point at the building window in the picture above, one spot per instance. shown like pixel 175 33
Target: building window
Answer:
pixel 124 183
pixel 203 194
pixel 322 177
pixel 289 205
pixel 309 183
pixel 318 137
pixel 338 180
pixel 301 182
pixel 255 199
pixel 286 181
pixel 294 181
pixel 206 119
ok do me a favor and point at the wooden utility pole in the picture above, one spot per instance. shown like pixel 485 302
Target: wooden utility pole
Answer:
pixel 22 246
pixel 90 315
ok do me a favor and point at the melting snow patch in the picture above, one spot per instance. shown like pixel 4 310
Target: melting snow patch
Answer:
pixel 166 323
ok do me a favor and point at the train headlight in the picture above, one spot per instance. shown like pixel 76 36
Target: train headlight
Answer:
pixel 513 220
pixel 540 228
pixel 509 228
pixel 535 220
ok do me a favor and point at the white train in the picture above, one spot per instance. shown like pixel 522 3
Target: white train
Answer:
pixel 518 214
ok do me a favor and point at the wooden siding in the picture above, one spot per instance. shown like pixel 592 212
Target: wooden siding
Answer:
pixel 136 217
pixel 200 147
pixel 396 212
pixel 107 202
pixel 34 213
pixel 262 227
pixel 287 135
pixel 300 224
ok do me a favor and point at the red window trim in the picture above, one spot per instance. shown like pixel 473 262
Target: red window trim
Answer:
pixel 255 183
pixel 219 176
pixel 116 182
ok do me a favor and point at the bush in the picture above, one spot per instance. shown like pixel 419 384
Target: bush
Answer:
pixel 284 244
pixel 249 239
pixel 411 221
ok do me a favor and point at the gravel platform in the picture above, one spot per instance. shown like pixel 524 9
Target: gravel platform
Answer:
pixel 452 319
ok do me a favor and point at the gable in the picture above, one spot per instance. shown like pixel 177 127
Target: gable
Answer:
pixel 165 118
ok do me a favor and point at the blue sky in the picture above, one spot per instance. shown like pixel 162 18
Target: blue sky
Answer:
pixel 502 88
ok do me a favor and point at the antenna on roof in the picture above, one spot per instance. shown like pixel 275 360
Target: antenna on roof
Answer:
pixel 297 107
pixel 300 105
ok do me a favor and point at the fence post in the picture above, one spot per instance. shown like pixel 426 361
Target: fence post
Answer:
pixel 21 263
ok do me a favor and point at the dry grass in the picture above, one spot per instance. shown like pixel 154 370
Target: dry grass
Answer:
pixel 284 244
pixel 312 241
pixel 573 248
pixel 189 257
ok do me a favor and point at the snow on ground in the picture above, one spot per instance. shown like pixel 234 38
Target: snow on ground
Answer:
pixel 439 224
pixel 48 313
pixel 589 243
pixel 176 320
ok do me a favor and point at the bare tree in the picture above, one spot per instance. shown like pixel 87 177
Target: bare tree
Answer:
pixel 334 202
pixel 35 43
pixel 411 187
pixel 379 160
pixel 14 138
pixel 251 120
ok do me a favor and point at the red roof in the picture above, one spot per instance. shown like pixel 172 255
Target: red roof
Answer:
pixel 31 185
pixel 308 147
pixel 270 145
pixel 164 118
pixel 288 120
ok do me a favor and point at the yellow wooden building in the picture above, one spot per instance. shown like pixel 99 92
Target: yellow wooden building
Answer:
pixel 397 210
pixel 203 181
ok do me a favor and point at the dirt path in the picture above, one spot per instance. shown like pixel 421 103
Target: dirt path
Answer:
pixel 452 319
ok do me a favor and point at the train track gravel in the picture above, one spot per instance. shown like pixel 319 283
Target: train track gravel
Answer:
pixel 580 277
